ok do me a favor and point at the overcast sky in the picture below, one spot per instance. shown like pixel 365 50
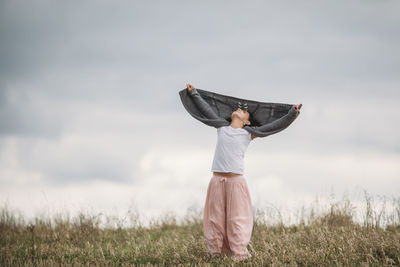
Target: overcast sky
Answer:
pixel 90 116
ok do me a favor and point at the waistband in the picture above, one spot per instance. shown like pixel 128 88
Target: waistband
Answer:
pixel 224 178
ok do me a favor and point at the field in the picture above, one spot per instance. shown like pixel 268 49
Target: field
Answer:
pixel 327 238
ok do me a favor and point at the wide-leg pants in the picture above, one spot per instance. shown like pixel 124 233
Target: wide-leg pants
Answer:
pixel 228 217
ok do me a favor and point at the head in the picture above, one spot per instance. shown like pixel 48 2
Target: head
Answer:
pixel 241 115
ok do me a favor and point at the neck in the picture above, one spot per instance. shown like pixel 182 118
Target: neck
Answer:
pixel 236 123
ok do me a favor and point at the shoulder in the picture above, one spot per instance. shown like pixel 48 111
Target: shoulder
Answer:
pixel 221 128
pixel 252 136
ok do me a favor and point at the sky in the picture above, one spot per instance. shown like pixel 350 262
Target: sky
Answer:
pixel 91 119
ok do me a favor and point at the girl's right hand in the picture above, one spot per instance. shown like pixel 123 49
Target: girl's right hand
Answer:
pixel 189 87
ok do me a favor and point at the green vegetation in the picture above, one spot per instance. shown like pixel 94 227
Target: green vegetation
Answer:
pixel 331 238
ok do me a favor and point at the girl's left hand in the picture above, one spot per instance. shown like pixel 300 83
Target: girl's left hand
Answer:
pixel 189 87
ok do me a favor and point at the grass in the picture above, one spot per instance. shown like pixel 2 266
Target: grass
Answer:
pixel 330 237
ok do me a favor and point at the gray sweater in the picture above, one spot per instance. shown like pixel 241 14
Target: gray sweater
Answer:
pixel 216 109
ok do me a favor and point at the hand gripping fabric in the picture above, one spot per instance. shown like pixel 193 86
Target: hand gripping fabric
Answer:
pixel 215 110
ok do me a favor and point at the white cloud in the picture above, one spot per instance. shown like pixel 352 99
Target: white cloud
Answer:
pixel 175 178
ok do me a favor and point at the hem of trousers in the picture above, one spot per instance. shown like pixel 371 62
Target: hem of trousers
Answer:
pixel 235 257
pixel 241 257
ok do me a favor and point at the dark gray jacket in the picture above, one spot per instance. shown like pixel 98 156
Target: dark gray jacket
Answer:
pixel 215 110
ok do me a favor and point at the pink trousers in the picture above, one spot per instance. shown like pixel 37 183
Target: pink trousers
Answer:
pixel 228 217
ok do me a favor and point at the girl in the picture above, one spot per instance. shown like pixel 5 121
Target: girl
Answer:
pixel 228 213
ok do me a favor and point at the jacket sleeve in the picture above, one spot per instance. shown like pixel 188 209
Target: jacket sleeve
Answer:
pixel 203 106
pixel 280 123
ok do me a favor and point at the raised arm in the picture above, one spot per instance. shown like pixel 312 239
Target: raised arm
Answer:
pixel 281 123
pixel 203 106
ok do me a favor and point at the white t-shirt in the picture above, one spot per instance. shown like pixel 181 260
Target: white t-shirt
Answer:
pixel 229 152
